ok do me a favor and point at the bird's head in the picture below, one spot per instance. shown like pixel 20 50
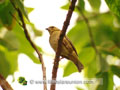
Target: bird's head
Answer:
pixel 51 29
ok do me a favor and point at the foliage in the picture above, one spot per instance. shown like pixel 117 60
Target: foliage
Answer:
pixel 95 4
pixel 114 6
pixel 106 38
pixel 105 29
pixel 12 38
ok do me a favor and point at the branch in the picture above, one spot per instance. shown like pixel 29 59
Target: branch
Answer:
pixel 90 32
pixel 32 44
pixel 4 84
pixel 15 18
pixel 63 32
pixel 89 29
pixel 91 16
pixel 90 35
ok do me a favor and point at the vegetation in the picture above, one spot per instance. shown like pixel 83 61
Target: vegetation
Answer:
pixel 95 35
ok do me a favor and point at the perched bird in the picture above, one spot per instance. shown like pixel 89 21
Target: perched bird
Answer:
pixel 68 51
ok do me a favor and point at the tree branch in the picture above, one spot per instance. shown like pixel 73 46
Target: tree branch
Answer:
pixel 94 15
pixel 63 32
pixel 89 29
pixel 91 37
pixel 15 18
pixel 90 32
pixel 4 84
pixel 32 44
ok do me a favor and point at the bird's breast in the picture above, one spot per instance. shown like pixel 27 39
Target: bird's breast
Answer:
pixel 54 39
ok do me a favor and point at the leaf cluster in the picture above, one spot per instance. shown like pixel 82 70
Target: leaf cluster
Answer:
pixel 12 38
pixel 106 35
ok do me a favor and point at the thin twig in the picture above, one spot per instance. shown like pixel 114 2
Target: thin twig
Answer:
pixel 4 84
pixel 101 60
pixel 63 32
pixel 91 36
pixel 94 15
pixel 90 33
pixel 15 19
pixel 32 44
pixel 89 30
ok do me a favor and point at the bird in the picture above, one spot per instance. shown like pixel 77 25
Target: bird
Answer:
pixel 68 51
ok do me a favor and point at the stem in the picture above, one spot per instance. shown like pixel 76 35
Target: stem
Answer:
pixel 89 30
pixel 32 44
pixel 63 32
pixel 4 84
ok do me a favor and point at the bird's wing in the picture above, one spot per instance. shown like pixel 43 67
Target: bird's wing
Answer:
pixel 69 46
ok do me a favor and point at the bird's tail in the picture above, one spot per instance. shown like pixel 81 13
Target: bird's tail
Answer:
pixel 79 65
pixel 77 62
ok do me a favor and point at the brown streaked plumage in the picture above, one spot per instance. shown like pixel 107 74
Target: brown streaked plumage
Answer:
pixel 68 51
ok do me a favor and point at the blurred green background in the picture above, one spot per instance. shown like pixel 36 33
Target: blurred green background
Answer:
pixel 105 28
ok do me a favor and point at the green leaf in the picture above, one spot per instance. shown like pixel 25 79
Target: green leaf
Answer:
pixel 8 53
pixel 79 35
pixel 66 6
pixel 107 81
pixel 103 65
pixel 81 4
pixel 91 69
pixel 11 44
pixel 87 55
pixel 110 48
pixel 117 39
pixel 9 41
pixel 115 70
pixel 25 46
pixel 3 4
pixel 20 5
pixel 36 31
pixel 4 65
pixel 107 40
pixel 29 9
pixel 69 69
pixel 5 17
pixel 8 61
pixel 0 25
pixel 95 4
pixel 12 57
pixel 104 34
pixel 115 52
pixel 114 6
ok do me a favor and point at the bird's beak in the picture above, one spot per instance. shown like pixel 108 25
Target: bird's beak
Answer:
pixel 47 28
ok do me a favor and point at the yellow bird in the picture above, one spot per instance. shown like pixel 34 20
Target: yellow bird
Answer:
pixel 68 51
